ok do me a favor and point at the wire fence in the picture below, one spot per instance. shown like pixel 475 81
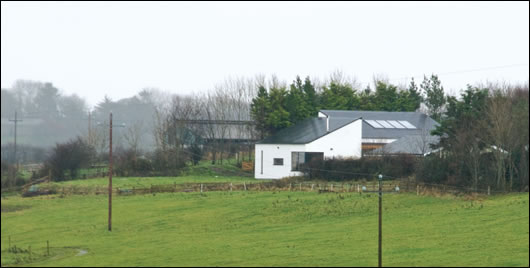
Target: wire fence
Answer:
pixel 394 186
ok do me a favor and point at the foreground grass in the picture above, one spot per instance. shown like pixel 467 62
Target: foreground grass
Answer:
pixel 267 229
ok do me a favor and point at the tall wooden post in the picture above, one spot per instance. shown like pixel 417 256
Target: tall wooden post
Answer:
pixel 110 174
pixel 380 220
pixel 15 155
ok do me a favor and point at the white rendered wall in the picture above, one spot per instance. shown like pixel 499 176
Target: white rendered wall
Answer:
pixel 343 142
pixel 271 151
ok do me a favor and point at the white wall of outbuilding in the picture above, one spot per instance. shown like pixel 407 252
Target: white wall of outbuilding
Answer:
pixel 343 142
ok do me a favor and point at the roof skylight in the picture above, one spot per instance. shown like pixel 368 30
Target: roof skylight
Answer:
pixel 395 123
pixel 384 123
pixel 390 124
pixel 407 124
pixel 373 124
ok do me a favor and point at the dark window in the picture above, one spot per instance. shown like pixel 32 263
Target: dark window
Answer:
pixel 298 159
pixel 278 161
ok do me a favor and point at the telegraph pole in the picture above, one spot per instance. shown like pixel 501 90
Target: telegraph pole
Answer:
pixel 110 166
pixel 89 129
pixel 380 220
pixel 110 174
pixel 15 158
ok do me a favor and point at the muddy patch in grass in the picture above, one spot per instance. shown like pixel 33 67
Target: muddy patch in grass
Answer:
pixel 13 208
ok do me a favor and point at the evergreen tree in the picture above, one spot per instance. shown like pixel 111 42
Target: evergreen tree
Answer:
pixel 260 109
pixel 434 96
pixel 311 97
pixel 339 97
pixel 297 103
pixel 386 97
pixel 366 99
pixel 414 97
pixel 461 113
pixel 278 117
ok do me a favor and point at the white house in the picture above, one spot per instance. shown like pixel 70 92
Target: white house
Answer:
pixel 348 134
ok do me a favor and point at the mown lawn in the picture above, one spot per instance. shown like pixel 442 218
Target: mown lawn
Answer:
pixel 267 229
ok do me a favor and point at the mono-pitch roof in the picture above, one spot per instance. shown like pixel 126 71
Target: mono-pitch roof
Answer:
pixel 307 131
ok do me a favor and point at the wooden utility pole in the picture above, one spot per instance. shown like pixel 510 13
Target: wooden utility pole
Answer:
pixel 110 168
pixel 110 173
pixel 89 128
pixel 15 155
pixel 380 220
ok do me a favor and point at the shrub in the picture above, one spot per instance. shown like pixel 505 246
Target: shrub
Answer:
pixel 340 169
pixel 68 158
pixel 127 163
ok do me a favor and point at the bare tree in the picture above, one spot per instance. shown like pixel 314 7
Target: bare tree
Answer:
pixel 467 146
pixel 498 130
pixel 133 135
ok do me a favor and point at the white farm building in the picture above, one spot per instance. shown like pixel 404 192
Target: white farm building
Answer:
pixel 347 134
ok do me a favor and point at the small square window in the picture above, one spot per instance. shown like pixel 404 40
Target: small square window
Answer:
pixel 278 161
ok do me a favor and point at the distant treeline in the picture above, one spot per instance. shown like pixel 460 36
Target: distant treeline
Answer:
pixel 484 131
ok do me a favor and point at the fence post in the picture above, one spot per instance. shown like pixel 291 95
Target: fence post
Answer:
pixel 332 187
pixel 201 187
pixel 230 187
pixel 358 188
pixel 290 186
pixel 312 186
pixel 417 189
pixel 489 190
pixel 245 185
pixel 300 187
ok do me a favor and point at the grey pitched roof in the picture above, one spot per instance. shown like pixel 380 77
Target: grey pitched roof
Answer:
pixel 307 131
pixel 423 123
pixel 314 128
pixel 414 144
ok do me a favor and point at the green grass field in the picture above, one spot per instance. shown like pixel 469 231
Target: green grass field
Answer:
pixel 129 182
pixel 266 229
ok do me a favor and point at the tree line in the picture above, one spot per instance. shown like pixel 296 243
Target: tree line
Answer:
pixel 278 106
pixel 483 139
pixel 483 132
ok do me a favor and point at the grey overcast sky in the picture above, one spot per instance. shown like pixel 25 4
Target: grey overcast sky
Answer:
pixel 118 48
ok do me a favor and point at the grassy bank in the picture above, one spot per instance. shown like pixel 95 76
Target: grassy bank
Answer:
pixel 266 229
